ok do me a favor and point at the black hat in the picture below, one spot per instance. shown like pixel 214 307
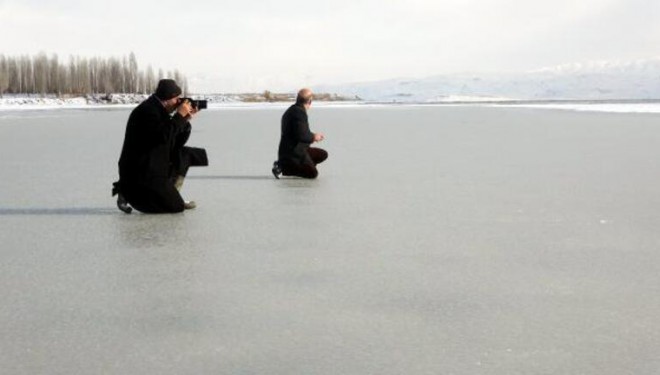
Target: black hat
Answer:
pixel 167 89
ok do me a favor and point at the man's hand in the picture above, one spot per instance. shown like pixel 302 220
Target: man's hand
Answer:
pixel 318 137
pixel 186 110
pixel 192 113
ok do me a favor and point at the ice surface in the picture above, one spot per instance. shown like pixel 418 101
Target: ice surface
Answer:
pixel 437 240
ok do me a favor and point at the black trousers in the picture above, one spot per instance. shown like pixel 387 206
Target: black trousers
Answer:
pixel 305 170
pixel 188 157
pixel 157 196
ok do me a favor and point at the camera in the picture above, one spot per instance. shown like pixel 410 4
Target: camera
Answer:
pixel 197 104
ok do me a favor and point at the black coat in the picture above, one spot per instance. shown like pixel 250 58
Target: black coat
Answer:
pixel 152 156
pixel 154 144
pixel 296 136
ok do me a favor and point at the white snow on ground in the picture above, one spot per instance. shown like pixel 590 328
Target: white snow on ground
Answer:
pixel 124 101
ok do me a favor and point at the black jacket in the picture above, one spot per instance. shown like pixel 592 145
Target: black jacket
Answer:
pixel 296 136
pixel 151 142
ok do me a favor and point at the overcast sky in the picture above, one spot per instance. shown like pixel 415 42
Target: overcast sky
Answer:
pixel 229 46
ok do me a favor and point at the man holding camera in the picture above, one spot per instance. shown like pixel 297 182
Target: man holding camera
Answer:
pixel 295 156
pixel 154 159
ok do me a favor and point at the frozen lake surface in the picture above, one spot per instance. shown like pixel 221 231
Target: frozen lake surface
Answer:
pixel 437 240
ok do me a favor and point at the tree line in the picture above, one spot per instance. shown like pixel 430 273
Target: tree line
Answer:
pixel 43 74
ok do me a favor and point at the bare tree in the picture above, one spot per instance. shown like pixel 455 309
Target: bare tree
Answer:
pixel 150 81
pixel 83 76
pixel 94 71
pixel 27 75
pixel 42 75
pixel 63 80
pixel 4 75
pixel 184 85
pixel 133 73
pixel 53 75
pixel 15 76
pixel 73 76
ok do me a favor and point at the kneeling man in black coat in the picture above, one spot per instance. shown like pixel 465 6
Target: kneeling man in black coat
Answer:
pixel 154 159
pixel 295 156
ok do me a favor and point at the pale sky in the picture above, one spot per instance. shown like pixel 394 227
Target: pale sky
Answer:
pixel 281 45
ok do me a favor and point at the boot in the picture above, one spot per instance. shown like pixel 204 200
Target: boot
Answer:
pixel 277 171
pixel 122 203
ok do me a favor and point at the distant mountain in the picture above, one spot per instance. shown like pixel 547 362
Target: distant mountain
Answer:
pixel 637 80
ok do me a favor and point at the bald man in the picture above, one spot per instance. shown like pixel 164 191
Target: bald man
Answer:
pixel 295 156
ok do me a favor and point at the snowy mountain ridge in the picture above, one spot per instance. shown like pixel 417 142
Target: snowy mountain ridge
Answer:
pixel 591 67
pixel 597 80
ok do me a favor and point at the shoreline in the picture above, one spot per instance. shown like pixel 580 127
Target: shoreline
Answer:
pixel 222 101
